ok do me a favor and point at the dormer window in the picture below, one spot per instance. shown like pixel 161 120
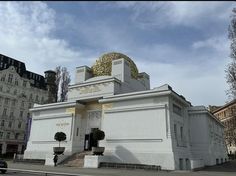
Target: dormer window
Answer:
pixel 24 83
pixel 10 77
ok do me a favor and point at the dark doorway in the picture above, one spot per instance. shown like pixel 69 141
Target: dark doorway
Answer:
pixel 86 142
pixel 89 142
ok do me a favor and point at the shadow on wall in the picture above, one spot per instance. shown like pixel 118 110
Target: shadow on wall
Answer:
pixel 125 155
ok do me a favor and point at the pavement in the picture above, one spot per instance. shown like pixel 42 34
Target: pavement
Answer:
pixel 227 169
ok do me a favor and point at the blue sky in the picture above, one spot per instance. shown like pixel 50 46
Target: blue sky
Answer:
pixel 183 44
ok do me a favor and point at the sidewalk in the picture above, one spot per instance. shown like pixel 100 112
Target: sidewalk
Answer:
pixel 227 169
pixel 84 171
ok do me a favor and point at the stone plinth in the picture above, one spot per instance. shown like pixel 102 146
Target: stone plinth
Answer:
pixel 92 161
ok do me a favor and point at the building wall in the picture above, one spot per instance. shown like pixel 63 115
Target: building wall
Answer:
pixel 227 115
pixel 45 123
pixel 179 123
pixel 206 134
pixel 16 97
pixel 137 131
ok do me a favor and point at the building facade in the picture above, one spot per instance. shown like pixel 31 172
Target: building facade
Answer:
pixel 227 115
pixel 142 125
pixel 19 90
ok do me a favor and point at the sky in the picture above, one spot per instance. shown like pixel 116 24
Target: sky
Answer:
pixel 183 44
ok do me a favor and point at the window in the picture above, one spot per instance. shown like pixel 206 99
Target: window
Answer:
pixel 77 132
pixel 3 78
pixel 1 134
pixel 6 101
pixel 17 135
pixel 22 104
pixel 181 132
pixel 177 109
pixel 10 77
pixel 24 83
pixel 15 92
pixel 8 90
pixel 19 125
pixel 13 102
pixel 4 112
pixel 16 82
pixel 37 98
pixel 8 135
pixel 12 114
pixel 175 131
pixel 1 88
pixel 42 100
pixel 10 124
pixel 2 123
pixel 21 114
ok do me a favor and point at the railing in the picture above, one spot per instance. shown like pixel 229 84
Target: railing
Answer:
pixel 18 156
pixel 46 173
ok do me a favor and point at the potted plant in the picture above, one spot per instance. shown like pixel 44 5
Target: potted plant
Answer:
pixel 59 136
pixel 98 135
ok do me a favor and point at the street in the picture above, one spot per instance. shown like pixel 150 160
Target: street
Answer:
pixel 227 169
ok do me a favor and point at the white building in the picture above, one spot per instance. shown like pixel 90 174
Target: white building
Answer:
pixel 142 126
pixel 19 90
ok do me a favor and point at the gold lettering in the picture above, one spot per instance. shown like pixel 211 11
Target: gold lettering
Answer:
pixel 89 89
pixel 107 106
pixel 70 110
pixel 62 124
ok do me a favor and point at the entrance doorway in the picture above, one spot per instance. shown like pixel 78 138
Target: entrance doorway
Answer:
pixel 181 164
pixel 89 142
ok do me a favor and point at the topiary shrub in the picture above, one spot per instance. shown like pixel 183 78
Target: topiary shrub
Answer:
pixel 98 135
pixel 60 136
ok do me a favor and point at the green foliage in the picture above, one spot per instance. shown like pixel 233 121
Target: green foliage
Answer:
pixel 60 136
pixel 98 135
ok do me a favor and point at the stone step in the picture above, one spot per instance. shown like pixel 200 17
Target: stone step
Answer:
pixel 77 160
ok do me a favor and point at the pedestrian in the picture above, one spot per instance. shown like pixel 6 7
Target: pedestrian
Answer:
pixel 55 160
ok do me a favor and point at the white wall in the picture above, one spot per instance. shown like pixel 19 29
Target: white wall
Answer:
pixel 137 132
pixel 207 140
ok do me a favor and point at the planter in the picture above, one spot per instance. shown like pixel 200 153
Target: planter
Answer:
pixel 98 150
pixel 58 150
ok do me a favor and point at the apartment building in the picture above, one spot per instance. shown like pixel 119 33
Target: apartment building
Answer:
pixel 20 89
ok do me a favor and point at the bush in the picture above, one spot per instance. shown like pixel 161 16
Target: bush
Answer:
pixel 98 135
pixel 60 136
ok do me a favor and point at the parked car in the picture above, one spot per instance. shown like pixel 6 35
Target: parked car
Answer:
pixel 3 164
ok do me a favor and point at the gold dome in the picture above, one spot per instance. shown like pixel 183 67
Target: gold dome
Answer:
pixel 103 65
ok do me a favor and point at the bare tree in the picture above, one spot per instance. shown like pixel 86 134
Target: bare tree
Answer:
pixel 65 81
pixel 58 78
pixel 62 82
pixel 231 68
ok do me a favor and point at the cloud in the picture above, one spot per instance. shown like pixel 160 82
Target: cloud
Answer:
pixel 219 43
pixel 192 14
pixel 198 87
pixel 193 66
pixel 26 34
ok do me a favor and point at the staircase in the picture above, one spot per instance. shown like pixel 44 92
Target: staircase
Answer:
pixel 76 160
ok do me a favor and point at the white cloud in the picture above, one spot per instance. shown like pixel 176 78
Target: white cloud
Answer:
pixel 162 14
pixel 25 34
pixel 205 88
pixel 220 43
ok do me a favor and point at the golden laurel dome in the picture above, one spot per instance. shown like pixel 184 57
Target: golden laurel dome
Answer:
pixel 103 65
